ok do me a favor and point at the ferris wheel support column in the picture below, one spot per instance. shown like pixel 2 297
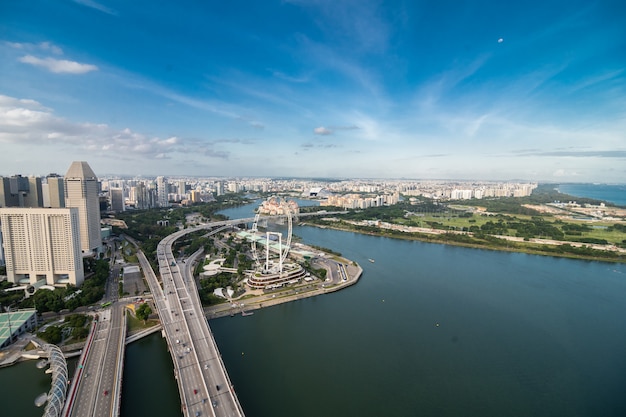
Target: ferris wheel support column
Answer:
pixel 280 251
pixel 267 251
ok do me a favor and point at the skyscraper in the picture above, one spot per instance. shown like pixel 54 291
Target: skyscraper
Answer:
pixel 34 196
pixel 7 199
pixel 56 191
pixel 116 196
pixel 42 244
pixel 81 191
pixel 162 191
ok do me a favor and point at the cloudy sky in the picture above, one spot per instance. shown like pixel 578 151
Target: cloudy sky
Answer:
pixel 532 90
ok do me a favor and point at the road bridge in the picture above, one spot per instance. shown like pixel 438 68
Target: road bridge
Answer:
pixel 203 383
pixel 99 388
pixel 204 386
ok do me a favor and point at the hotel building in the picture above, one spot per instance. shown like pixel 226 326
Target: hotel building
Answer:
pixel 42 244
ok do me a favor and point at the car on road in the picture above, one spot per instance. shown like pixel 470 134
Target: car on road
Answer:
pixel 106 392
pixel 195 391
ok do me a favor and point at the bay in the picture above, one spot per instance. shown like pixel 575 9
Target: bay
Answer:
pixel 21 384
pixel 428 330
pixel 614 193
pixel 437 330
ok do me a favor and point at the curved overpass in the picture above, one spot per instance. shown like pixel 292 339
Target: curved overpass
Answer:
pixel 204 386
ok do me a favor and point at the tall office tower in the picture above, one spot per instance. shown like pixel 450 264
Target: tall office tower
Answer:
pixel 152 198
pixel 182 188
pixel 1 247
pixel 162 191
pixel 34 196
pixel 56 191
pixel 140 196
pixel 7 199
pixel 42 244
pixel 19 189
pixel 117 199
pixel 81 191
pixel 219 188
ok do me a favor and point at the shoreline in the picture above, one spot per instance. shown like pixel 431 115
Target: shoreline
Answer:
pixel 425 237
pixel 284 296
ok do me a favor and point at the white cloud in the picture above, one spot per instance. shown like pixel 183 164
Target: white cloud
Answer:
pixel 47 46
pixel 97 6
pixel 58 66
pixel 322 131
pixel 42 46
pixel 6 101
pixel 27 123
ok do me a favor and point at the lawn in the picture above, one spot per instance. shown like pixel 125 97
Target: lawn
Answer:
pixel 134 324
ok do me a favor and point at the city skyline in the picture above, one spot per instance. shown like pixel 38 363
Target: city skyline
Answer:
pixel 297 88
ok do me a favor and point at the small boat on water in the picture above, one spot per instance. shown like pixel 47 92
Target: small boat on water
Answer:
pixel 243 313
pixel 371 260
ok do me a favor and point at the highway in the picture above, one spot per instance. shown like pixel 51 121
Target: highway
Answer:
pixel 204 386
pixel 99 390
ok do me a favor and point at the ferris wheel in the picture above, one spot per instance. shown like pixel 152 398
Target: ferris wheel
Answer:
pixel 283 251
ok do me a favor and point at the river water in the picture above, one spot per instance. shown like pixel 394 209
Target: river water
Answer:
pixel 428 330
pixel 437 330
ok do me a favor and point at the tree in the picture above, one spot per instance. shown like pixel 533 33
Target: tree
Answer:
pixel 143 312
pixel 80 333
pixel 51 335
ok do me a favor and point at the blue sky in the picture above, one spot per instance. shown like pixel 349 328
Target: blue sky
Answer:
pixel 490 90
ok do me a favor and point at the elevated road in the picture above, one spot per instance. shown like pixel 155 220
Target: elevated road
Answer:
pixel 203 383
pixel 99 391
pixel 204 386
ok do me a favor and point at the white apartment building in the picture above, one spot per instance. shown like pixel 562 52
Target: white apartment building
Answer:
pixel 42 244
pixel 162 192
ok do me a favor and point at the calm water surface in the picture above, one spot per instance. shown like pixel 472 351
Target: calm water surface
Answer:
pixel 149 387
pixel 437 330
pixel 614 193
pixel 430 330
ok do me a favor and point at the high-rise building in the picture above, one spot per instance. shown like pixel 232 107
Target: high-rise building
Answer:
pixel 42 244
pixel 162 192
pixel 34 196
pixel 81 191
pixel 56 191
pixel 7 199
pixel 182 188
pixel 1 248
pixel 15 190
pixel 116 196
